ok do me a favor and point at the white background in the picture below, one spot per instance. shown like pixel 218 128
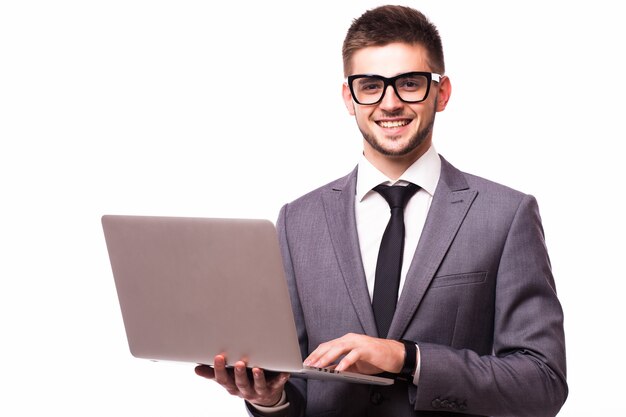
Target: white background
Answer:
pixel 174 107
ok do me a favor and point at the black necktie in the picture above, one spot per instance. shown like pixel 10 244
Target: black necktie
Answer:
pixel 389 264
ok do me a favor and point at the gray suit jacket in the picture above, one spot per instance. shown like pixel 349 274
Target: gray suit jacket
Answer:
pixel 479 300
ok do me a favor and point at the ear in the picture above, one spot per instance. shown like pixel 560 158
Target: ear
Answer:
pixel 347 98
pixel 445 90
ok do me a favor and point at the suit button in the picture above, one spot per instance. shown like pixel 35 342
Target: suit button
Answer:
pixel 436 403
pixel 376 398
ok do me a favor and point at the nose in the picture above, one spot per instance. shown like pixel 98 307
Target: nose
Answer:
pixel 390 101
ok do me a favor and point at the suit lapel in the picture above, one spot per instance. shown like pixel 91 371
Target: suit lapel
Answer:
pixel 450 204
pixel 339 212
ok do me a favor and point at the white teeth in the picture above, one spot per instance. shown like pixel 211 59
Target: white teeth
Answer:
pixel 394 123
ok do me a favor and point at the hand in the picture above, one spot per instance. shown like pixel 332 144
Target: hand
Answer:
pixel 260 390
pixel 363 354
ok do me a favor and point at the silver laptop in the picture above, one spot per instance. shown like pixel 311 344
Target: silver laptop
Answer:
pixel 192 288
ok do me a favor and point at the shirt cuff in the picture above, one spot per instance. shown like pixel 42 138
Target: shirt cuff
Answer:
pixel 281 405
pixel 418 362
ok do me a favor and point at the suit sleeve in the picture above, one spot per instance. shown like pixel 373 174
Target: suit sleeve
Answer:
pixel 525 374
pixel 295 387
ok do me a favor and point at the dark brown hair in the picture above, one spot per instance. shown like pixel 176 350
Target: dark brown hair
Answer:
pixel 388 24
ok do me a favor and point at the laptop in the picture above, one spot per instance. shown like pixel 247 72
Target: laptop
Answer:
pixel 192 288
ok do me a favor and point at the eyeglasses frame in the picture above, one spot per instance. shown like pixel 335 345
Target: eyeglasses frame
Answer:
pixel 431 76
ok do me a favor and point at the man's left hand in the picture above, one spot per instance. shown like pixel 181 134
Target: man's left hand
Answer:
pixel 363 354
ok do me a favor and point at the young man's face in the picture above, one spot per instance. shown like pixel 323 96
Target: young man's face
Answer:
pixel 393 128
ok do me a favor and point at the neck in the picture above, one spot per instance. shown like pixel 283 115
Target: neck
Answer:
pixel 390 165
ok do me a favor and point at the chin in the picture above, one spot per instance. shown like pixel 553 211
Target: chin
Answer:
pixel 398 146
pixel 397 149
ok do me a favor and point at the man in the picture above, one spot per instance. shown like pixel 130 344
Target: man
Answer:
pixel 477 328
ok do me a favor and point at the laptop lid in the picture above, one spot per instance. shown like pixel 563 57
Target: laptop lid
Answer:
pixel 192 288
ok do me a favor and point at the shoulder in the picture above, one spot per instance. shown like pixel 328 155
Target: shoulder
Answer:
pixel 492 201
pixel 310 210
pixel 339 186
pixel 454 179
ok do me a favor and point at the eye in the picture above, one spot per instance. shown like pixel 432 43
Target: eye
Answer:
pixel 411 83
pixel 369 85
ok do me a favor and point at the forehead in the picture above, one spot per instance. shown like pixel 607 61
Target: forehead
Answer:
pixel 391 59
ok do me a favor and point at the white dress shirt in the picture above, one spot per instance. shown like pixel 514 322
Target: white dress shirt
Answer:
pixel 372 215
pixel 372 210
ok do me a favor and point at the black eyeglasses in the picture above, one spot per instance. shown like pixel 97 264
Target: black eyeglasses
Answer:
pixel 411 87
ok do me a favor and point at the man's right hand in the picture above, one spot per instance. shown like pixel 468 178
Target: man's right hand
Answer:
pixel 260 390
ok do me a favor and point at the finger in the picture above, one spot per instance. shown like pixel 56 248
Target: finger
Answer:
pixel 349 360
pixel 267 383
pixel 205 371
pixel 314 356
pixel 242 381
pixel 260 382
pixel 269 387
pixel 279 382
pixel 334 351
pixel 221 373
pixel 319 357
pixel 276 380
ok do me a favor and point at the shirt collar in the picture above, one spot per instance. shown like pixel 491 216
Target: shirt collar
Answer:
pixel 424 172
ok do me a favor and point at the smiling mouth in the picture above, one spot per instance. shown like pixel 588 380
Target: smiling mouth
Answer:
pixel 393 123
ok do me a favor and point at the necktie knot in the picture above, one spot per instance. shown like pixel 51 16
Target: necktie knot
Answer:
pixel 397 196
